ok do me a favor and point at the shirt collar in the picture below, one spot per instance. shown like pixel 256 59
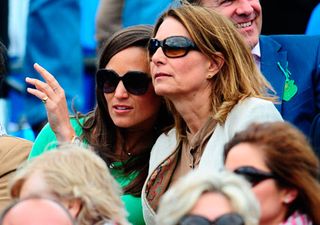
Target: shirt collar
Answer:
pixel 256 50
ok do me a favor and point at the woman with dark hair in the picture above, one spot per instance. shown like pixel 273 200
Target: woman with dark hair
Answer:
pixel 127 120
pixel 278 161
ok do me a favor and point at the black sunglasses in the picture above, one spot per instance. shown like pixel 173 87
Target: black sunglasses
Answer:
pixel 253 175
pixel 172 47
pixel 226 219
pixel 135 82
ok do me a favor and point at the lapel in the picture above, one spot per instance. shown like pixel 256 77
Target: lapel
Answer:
pixel 271 54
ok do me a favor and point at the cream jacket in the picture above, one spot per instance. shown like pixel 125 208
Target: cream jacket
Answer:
pixel 243 114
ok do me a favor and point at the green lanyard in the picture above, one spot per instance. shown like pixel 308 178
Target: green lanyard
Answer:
pixel 290 89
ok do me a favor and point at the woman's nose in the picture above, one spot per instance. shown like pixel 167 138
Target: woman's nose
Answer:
pixel 121 91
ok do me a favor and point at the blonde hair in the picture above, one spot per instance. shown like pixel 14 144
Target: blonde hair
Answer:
pixel 183 195
pixel 72 172
pixel 215 36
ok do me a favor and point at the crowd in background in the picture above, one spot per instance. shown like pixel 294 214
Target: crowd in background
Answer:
pixel 92 23
pixel 170 112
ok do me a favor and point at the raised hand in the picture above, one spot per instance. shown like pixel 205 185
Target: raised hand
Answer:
pixel 53 96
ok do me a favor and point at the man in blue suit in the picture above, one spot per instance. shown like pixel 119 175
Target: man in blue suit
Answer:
pixel 291 63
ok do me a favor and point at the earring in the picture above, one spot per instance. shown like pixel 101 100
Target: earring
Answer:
pixel 209 76
pixel 287 200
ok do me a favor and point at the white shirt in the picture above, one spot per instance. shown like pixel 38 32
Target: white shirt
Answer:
pixel 256 54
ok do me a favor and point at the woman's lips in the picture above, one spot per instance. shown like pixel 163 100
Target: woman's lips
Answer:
pixel 161 75
pixel 122 108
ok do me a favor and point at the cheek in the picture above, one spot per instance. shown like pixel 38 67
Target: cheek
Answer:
pixel 267 194
pixel 256 6
pixel 107 98
pixel 191 72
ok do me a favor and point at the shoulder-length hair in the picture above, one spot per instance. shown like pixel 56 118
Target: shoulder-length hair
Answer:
pixel 72 173
pixel 215 36
pixel 99 129
pixel 287 154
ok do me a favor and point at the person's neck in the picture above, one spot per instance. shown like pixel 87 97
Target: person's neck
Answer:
pixel 275 220
pixel 194 113
pixel 132 142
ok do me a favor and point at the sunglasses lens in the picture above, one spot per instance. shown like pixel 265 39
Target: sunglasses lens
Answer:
pixel 110 82
pixel 194 220
pixel 176 47
pixel 136 83
pixel 107 80
pixel 252 179
pixel 228 219
pixel 172 47
pixel 153 46
pixel 252 175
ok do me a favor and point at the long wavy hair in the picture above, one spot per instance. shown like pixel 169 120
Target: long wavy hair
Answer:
pixel 99 129
pixel 214 35
pixel 290 157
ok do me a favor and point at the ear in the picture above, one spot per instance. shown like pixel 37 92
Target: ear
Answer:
pixel 289 195
pixel 73 206
pixel 216 62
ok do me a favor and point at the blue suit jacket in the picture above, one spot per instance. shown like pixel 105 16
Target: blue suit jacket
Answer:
pixel 302 53
pixel 315 135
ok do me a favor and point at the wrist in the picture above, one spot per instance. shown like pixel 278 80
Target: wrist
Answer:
pixel 65 135
pixel 76 140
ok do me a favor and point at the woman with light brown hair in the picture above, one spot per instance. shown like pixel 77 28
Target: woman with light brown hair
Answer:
pixel 278 161
pixel 77 178
pixel 204 69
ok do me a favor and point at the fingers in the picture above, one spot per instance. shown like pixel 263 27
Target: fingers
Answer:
pixel 39 94
pixel 40 86
pixel 50 87
pixel 48 77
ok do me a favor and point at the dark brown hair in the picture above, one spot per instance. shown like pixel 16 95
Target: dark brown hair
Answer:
pixel 99 129
pixel 290 157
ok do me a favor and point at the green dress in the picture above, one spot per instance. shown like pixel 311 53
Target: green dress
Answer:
pixel 46 140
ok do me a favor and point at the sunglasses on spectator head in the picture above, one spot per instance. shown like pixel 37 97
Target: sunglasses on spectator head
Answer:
pixel 253 175
pixel 135 82
pixel 172 47
pixel 226 219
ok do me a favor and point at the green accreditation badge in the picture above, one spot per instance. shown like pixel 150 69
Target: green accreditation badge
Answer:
pixel 290 88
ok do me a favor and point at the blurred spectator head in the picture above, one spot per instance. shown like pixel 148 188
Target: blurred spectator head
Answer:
pixel 36 211
pixel 77 178
pixel 245 15
pixel 206 196
pixel 278 161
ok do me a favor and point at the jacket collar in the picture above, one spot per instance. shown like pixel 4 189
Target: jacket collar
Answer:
pixel 271 54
